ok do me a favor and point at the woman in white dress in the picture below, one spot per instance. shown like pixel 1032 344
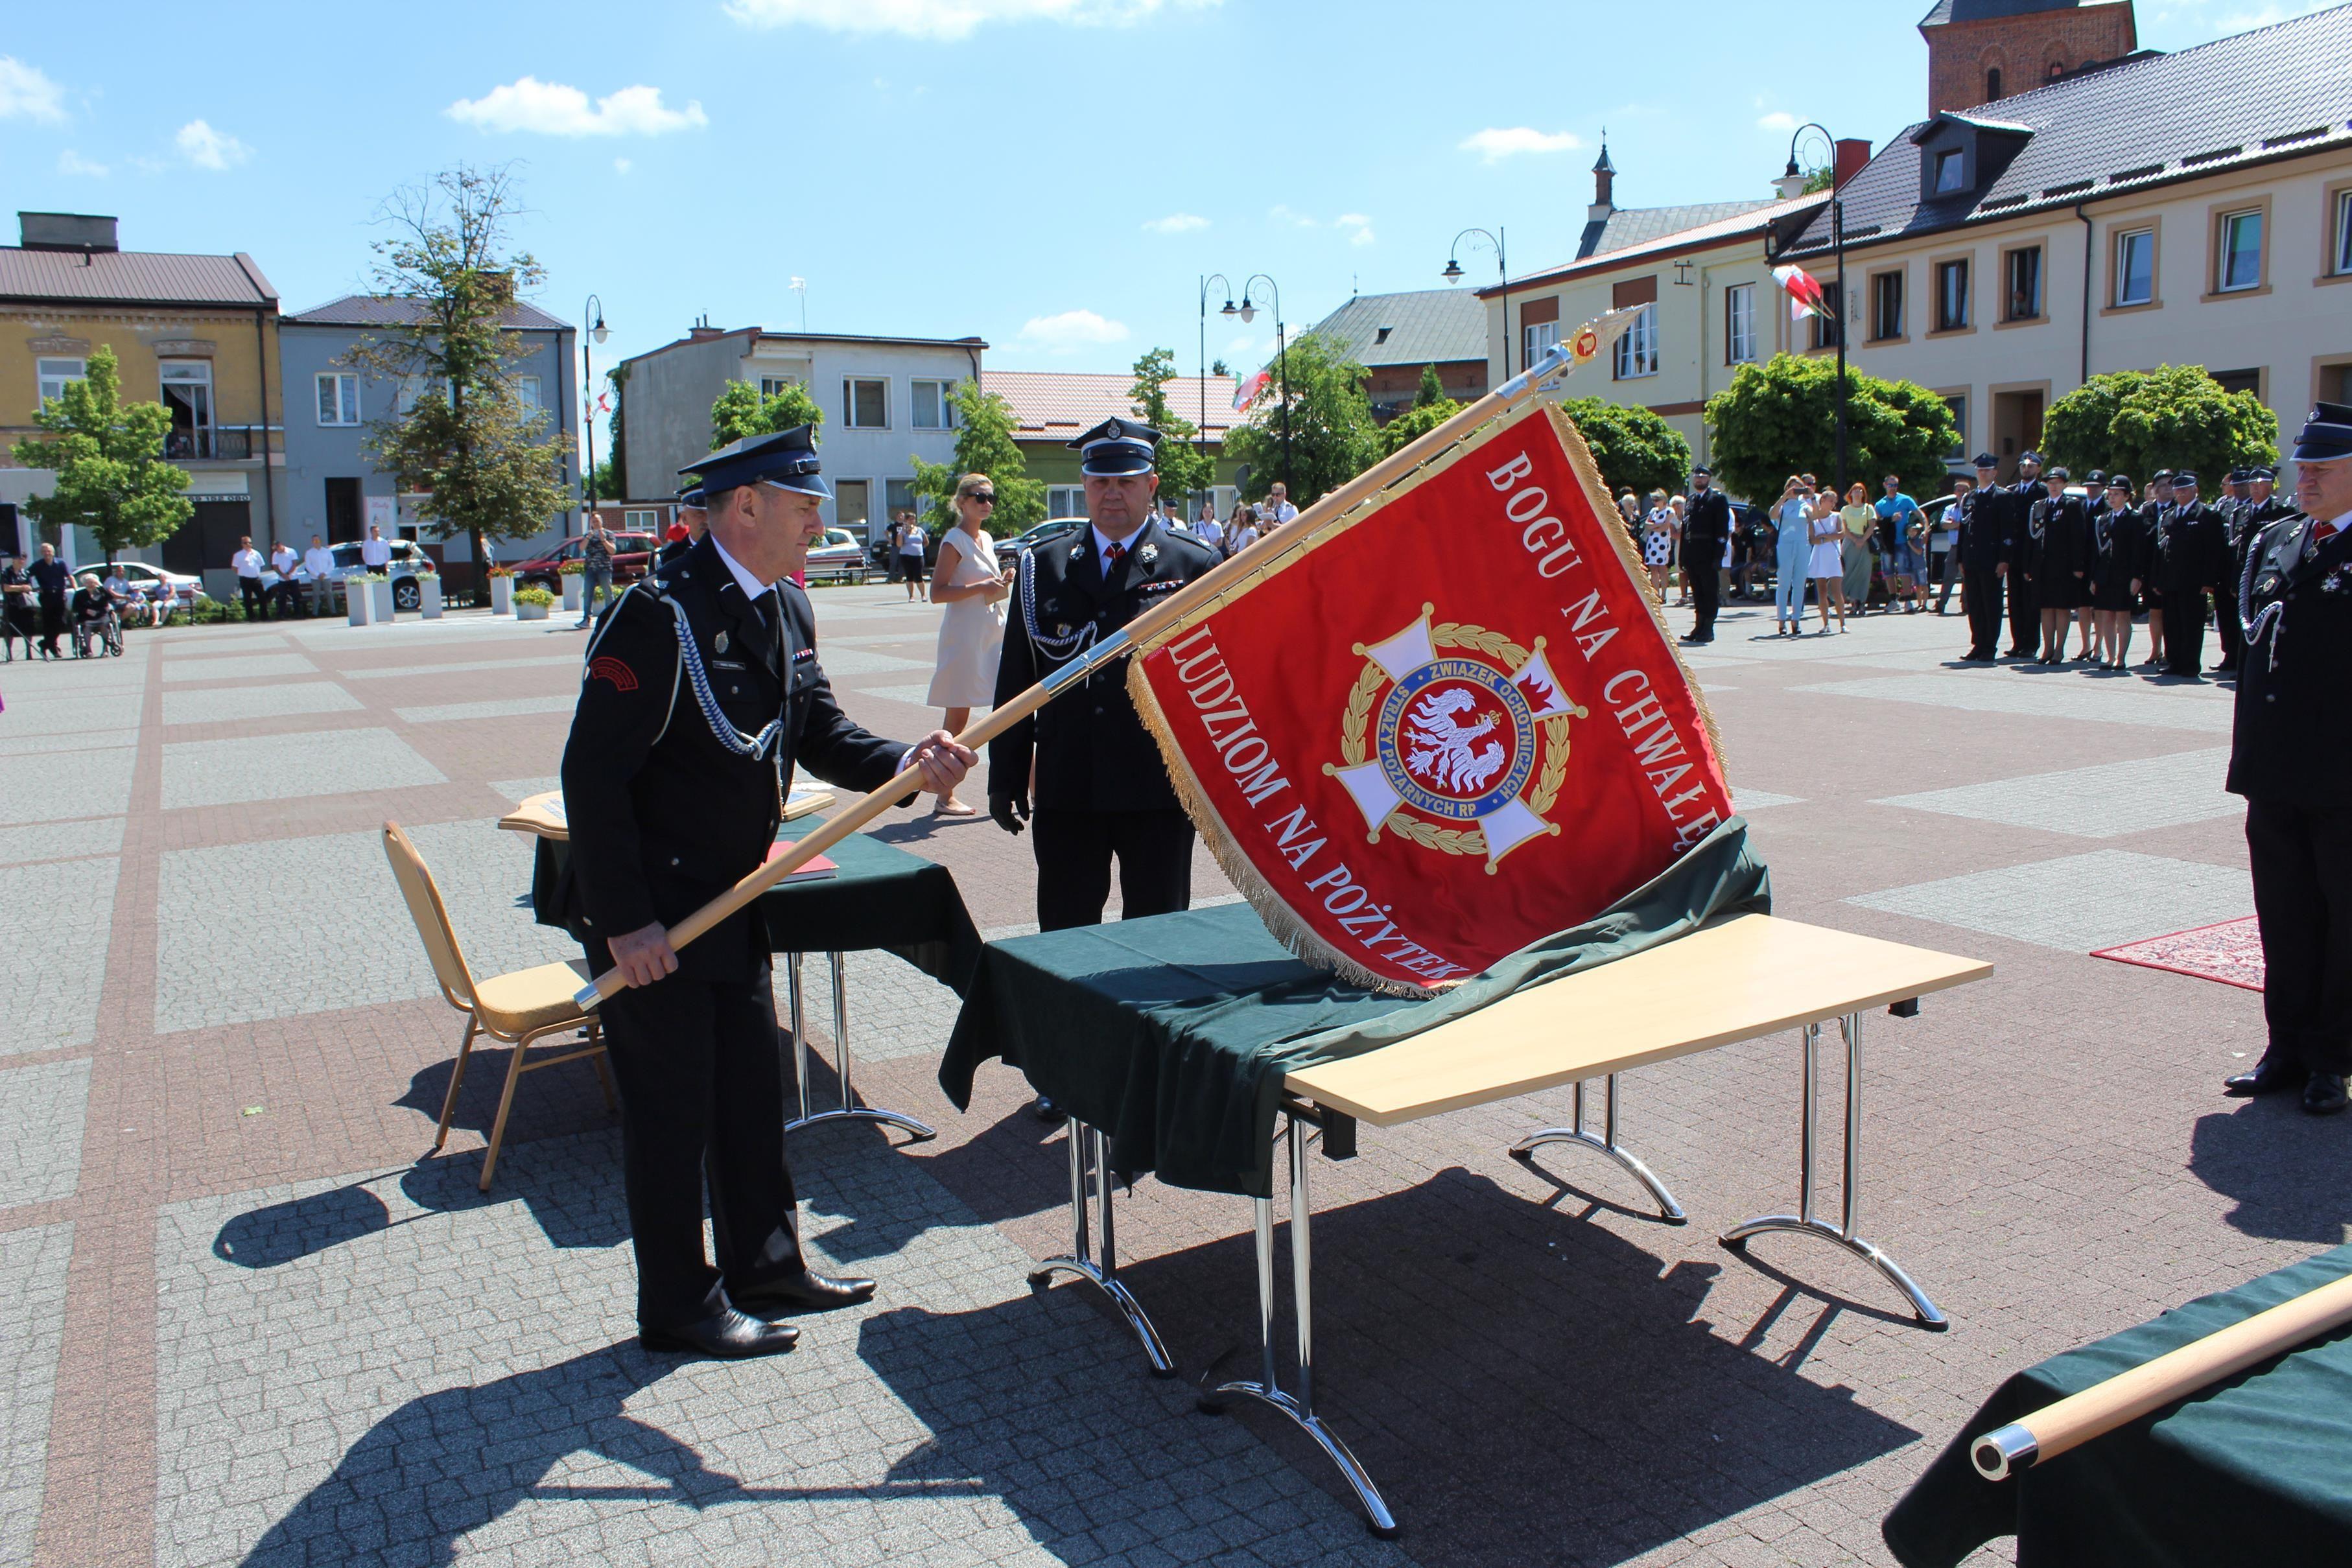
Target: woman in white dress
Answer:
pixel 971 586
pixel 1828 569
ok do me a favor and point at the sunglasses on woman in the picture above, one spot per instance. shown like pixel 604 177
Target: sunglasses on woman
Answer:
pixel 983 498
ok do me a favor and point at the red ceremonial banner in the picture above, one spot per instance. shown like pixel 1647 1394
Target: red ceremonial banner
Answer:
pixel 1448 724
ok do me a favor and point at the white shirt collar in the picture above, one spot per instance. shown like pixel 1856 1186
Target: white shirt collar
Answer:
pixel 752 586
pixel 1104 541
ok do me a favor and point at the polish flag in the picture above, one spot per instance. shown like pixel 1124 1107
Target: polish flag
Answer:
pixel 604 402
pixel 1245 391
pixel 1805 296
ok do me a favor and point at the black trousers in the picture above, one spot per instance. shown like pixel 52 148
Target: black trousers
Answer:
pixel 700 1068
pixel 2184 631
pixel 1074 854
pixel 1984 612
pixel 256 602
pixel 1705 579
pixel 53 620
pixel 2024 616
pixel 2226 621
pixel 2302 862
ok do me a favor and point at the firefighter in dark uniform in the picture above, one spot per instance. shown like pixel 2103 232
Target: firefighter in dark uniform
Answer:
pixel 2024 607
pixel 2231 510
pixel 702 694
pixel 1706 526
pixel 1987 546
pixel 1101 792
pixel 2290 754
pixel 694 518
pixel 2191 554
pixel 2058 551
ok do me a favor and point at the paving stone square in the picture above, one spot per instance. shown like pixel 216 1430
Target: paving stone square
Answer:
pixel 2078 904
pixel 239 667
pixel 226 705
pixel 41 1112
pixel 2108 802
pixel 457 667
pixel 233 771
pixel 503 708
pixel 32 1328
pixel 2006 692
pixel 47 786
pixel 62 840
pixel 54 918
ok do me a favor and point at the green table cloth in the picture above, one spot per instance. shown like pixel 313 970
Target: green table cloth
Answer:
pixel 882 897
pixel 2256 1469
pixel 1172 1034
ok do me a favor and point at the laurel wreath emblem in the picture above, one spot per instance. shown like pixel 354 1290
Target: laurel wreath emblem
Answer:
pixel 1357 719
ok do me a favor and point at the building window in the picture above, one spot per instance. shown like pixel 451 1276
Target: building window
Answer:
pixel 339 399
pixel 866 404
pixel 1886 305
pixel 2343 249
pixel 413 390
pixel 933 411
pixel 1951 296
pixel 56 375
pixel 1066 501
pixel 1992 83
pixel 1959 404
pixel 776 386
pixel 1950 167
pixel 1739 324
pixel 2238 381
pixel 1538 338
pixel 641 522
pixel 527 393
pixel 187 387
pixel 2136 266
pixel 1637 351
pixel 1826 328
pixel 899 495
pixel 2021 296
pixel 2241 253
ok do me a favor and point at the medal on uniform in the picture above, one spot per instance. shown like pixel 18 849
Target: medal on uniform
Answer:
pixel 720 645
pixel 1148 554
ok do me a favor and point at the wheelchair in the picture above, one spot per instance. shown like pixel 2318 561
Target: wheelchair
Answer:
pixel 97 639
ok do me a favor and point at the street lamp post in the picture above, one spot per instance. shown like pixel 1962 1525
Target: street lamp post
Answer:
pixel 1247 311
pixel 592 314
pixel 1453 274
pixel 1837 243
pixel 1201 431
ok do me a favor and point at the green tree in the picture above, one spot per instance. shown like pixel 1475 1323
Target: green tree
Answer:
pixel 603 481
pixel 743 410
pixel 1185 469
pixel 2175 416
pixel 1332 437
pixel 618 376
pixel 985 444
pixel 1635 449
pixel 108 457
pixel 1779 418
pixel 1431 391
pixel 490 465
pixel 1416 421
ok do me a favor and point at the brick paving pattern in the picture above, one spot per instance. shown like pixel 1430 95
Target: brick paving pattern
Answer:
pixel 241 1320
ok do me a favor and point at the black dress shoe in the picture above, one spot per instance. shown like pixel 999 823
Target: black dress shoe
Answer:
pixel 2324 1095
pixel 726 1335
pixel 2268 1077
pixel 801 1292
pixel 1044 1110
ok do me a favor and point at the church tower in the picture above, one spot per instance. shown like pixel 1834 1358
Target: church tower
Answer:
pixel 1979 50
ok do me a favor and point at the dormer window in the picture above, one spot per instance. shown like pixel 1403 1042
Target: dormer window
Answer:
pixel 1951 171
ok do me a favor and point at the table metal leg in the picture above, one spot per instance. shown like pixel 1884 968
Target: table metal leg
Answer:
pixel 1089 1148
pixel 1668 1209
pixel 849 1109
pixel 1299 1407
pixel 1805 1221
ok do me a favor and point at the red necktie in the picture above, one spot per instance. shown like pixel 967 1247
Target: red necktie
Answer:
pixel 1112 555
pixel 2321 533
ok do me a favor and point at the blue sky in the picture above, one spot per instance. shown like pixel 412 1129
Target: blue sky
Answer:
pixel 1054 175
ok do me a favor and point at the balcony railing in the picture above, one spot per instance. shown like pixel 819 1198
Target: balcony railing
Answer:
pixel 221 443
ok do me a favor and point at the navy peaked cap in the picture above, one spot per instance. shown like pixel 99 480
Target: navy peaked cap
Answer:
pixel 787 459
pixel 1117 448
pixel 2326 433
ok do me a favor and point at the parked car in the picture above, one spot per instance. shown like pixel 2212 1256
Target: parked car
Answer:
pixel 1007 549
pixel 632 555
pixel 839 556
pixel 408 558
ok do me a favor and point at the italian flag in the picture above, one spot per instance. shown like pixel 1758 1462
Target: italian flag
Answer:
pixel 1805 296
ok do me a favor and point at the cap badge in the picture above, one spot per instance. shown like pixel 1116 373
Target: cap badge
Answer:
pixel 1113 430
pixel 1078 551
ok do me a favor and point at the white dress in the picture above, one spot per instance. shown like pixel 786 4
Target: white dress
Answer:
pixel 971 631
pixel 1827 559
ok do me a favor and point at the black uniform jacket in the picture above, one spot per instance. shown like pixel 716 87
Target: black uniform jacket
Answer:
pixel 2059 529
pixel 2191 550
pixel 2118 546
pixel 1989 530
pixel 663 816
pixel 1707 525
pixel 1092 752
pixel 2290 741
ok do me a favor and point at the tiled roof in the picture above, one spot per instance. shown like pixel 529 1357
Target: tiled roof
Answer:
pixel 129 276
pixel 1747 220
pixel 1057 404
pixel 1425 327
pixel 1995 10
pixel 399 310
pixel 2142 123
pixel 1639 225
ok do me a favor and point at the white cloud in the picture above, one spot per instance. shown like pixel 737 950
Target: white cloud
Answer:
pixel 72 162
pixel 620 165
pixel 210 149
pixel 1498 142
pixel 1176 223
pixel 552 108
pixel 25 93
pixel 1071 329
pixel 945 21
pixel 1778 120
pixel 1360 227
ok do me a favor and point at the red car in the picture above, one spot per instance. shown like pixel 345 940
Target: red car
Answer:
pixel 632 554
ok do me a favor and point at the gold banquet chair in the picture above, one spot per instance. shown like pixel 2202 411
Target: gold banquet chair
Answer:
pixel 520 1009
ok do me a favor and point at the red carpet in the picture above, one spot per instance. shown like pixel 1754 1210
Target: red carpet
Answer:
pixel 2230 953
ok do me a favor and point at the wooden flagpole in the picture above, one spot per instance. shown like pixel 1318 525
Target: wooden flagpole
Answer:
pixel 1588 343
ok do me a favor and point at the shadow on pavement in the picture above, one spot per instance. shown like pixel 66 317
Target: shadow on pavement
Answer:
pixel 281 1233
pixel 2285 1170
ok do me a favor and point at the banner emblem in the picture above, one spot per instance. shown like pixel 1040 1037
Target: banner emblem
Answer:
pixel 1451 759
